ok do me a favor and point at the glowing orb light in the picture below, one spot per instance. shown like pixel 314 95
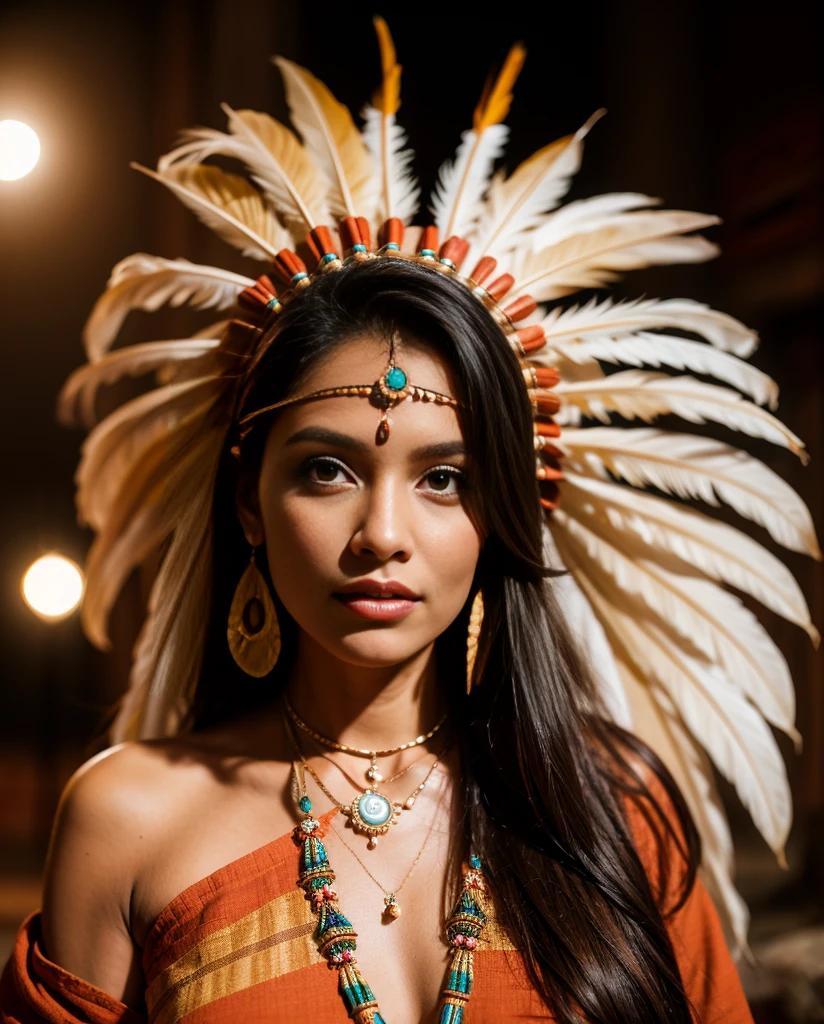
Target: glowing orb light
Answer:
pixel 52 587
pixel 19 150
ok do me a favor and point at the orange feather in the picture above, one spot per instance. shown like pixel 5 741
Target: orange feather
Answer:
pixel 496 100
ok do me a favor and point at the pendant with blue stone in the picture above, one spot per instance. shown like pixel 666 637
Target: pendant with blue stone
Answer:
pixel 372 815
pixel 389 389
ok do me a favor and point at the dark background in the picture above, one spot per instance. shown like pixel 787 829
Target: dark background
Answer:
pixel 714 107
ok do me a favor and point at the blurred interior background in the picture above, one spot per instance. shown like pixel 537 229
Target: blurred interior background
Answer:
pixel 713 106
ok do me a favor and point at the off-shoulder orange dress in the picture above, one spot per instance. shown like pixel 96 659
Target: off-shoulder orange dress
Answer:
pixel 237 948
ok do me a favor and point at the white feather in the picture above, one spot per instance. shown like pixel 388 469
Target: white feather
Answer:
pixel 169 651
pixel 715 548
pixel 148 282
pixel 622 241
pixel 703 613
pixel 114 446
pixel 392 158
pixel 198 144
pixel 457 202
pixel 694 467
pixel 731 730
pixel 643 394
pixel 668 350
pixel 82 386
pixel 610 319
pixel 589 634
pixel 586 215
pixel 517 205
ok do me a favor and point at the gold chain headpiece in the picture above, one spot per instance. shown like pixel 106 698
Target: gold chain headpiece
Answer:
pixel 390 389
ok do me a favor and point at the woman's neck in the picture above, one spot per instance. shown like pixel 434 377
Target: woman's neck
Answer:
pixel 373 708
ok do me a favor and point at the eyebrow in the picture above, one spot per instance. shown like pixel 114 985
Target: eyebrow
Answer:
pixel 440 450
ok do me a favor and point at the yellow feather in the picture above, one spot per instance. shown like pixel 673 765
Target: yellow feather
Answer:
pixel 331 138
pixel 387 99
pixel 229 205
pixel 496 100
pixel 293 183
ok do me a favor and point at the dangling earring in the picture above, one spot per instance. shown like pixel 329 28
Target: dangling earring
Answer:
pixel 476 618
pixel 254 630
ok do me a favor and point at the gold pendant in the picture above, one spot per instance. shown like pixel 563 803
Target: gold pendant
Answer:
pixel 392 908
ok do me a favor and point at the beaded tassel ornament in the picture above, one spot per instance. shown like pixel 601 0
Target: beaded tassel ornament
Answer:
pixel 337 940
pixel 334 935
pixel 463 931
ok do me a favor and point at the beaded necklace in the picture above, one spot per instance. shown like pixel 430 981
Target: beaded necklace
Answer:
pixel 336 938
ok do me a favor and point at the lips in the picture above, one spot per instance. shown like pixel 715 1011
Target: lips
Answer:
pixel 381 600
pixel 380 589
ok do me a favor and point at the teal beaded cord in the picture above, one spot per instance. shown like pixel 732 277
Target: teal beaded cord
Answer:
pixel 336 938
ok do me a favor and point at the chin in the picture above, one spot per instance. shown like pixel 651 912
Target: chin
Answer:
pixel 376 651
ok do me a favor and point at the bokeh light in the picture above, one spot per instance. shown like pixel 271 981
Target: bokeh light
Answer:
pixel 52 587
pixel 19 150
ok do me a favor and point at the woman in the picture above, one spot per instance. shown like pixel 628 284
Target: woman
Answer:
pixel 355 649
pixel 531 774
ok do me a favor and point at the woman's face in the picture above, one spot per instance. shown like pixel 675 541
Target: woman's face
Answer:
pixel 335 509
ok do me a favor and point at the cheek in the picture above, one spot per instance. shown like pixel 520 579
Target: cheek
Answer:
pixel 449 549
pixel 305 545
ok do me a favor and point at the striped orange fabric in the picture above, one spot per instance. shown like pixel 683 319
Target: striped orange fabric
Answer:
pixel 237 947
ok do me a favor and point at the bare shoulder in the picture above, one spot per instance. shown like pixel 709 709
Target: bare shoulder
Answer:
pixel 110 817
pixel 139 823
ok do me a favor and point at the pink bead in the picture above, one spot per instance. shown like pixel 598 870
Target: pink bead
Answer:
pixel 471 942
pixel 346 955
pixel 459 939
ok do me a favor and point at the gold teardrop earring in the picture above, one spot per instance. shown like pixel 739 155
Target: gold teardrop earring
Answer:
pixel 254 630
pixel 476 618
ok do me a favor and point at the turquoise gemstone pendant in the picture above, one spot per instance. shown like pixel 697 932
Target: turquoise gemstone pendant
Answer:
pixel 374 809
pixel 373 815
pixel 396 378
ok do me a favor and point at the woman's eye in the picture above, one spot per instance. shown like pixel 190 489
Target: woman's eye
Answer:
pixel 445 480
pixel 323 471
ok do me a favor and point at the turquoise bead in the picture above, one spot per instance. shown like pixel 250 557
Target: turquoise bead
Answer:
pixel 396 378
pixel 359 248
pixel 475 861
pixel 374 809
pixel 305 804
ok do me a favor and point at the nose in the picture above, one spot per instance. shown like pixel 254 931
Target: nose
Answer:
pixel 383 529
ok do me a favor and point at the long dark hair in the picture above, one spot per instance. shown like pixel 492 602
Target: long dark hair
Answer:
pixel 546 777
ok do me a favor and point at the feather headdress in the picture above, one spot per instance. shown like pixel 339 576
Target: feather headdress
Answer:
pixel 651 590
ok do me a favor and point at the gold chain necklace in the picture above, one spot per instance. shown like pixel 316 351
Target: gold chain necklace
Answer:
pixel 390 901
pixel 373 775
pixel 385 782
pixel 372 814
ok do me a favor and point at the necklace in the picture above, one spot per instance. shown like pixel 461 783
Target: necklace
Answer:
pixel 391 905
pixel 372 814
pixel 337 940
pixel 386 782
pixel 372 773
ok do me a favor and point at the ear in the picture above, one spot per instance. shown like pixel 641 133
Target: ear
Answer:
pixel 247 504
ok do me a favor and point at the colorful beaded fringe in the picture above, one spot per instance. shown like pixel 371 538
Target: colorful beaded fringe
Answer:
pixel 336 938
